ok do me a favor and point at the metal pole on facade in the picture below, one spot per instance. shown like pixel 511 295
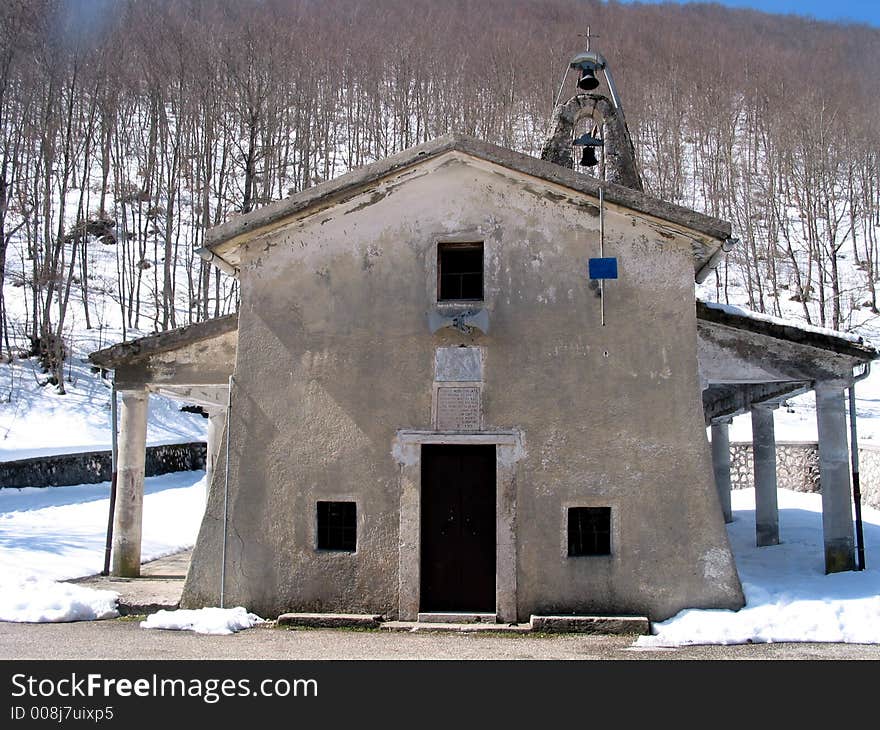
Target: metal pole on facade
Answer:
pixel 226 498
pixel 114 469
pixel 602 248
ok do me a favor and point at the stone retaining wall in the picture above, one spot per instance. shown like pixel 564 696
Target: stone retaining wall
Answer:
pixel 797 468
pixel 93 467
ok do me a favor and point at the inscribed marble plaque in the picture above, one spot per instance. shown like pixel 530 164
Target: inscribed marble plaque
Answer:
pixel 458 409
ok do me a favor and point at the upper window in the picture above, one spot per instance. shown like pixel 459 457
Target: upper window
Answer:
pixel 589 531
pixel 337 526
pixel 460 272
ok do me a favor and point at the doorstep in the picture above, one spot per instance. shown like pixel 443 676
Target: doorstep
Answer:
pixel 618 625
pixel 473 627
pixel 474 623
pixel 457 617
pixel 330 620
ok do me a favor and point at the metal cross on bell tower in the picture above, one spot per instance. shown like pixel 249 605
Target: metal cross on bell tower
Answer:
pixel 588 36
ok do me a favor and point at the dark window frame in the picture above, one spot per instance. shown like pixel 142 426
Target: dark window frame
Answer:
pixel 588 531
pixel 448 281
pixel 336 526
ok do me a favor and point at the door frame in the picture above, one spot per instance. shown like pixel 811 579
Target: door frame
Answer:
pixel 407 451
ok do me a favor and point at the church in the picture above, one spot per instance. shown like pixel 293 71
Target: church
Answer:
pixel 465 381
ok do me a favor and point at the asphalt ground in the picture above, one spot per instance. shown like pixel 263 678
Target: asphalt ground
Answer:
pixel 523 679
pixel 124 639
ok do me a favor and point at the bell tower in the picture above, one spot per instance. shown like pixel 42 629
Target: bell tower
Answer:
pixel 590 128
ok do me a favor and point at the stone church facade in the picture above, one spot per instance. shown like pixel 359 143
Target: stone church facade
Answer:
pixel 429 415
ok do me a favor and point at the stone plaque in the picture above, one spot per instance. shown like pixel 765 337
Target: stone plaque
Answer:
pixel 458 409
pixel 458 363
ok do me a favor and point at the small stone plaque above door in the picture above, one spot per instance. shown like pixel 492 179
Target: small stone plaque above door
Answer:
pixel 457 408
pixel 458 364
pixel 457 403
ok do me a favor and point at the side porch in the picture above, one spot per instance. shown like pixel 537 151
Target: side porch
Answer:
pixel 751 364
pixel 190 364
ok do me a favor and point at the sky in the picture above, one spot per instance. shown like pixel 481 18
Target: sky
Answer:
pixel 861 11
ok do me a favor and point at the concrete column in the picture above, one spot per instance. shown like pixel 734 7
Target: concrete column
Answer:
pixel 128 516
pixel 216 427
pixel 764 451
pixel 409 456
pixel 721 465
pixel 506 456
pixel 834 476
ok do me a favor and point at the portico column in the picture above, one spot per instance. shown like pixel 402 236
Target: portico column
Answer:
pixel 764 453
pixel 721 465
pixel 216 425
pixel 834 470
pixel 128 515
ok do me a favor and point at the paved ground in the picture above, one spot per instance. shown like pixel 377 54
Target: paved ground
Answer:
pixel 158 587
pixel 123 638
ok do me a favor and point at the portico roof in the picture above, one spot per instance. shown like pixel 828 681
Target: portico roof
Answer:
pixel 746 358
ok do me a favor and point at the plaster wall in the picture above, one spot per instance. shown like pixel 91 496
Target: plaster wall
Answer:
pixel 335 357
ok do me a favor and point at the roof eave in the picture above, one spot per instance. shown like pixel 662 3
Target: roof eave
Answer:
pixel 328 192
pixel 124 353
pixel 862 351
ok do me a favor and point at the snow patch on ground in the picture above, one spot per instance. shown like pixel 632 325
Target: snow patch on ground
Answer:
pixel 59 533
pixel 53 534
pixel 203 620
pixel 788 595
pixel 36 600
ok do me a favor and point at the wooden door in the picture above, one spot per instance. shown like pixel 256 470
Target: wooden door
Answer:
pixel 458 528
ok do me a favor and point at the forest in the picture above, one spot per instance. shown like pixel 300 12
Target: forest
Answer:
pixel 130 127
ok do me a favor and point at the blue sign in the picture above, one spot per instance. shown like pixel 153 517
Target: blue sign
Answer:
pixel 605 268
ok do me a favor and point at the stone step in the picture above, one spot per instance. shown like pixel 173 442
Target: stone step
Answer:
pixel 452 617
pixel 462 628
pixel 632 625
pixel 127 607
pixel 331 620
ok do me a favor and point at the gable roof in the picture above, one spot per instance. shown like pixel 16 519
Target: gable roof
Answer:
pixel 236 230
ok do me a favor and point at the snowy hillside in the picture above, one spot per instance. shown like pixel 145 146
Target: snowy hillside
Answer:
pixel 36 420
pixel 120 149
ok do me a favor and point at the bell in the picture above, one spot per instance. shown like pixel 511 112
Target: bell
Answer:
pixel 588 140
pixel 588 80
pixel 589 159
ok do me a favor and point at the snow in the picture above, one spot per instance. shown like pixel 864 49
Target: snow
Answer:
pixel 37 421
pixel 203 620
pixel 788 595
pixel 44 601
pixel 53 534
